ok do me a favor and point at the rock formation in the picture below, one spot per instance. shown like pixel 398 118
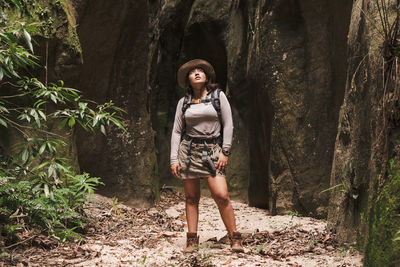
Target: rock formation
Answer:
pixel 365 180
pixel 112 66
pixel 114 38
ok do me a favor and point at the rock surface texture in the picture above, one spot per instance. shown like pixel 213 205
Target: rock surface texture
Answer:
pixel 365 170
pixel 115 45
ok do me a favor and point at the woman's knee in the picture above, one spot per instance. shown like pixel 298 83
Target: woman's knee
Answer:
pixel 221 199
pixel 192 199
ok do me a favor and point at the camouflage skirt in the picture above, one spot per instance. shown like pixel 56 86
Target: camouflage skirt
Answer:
pixel 197 169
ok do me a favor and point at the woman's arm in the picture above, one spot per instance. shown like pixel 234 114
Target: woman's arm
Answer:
pixel 176 133
pixel 227 121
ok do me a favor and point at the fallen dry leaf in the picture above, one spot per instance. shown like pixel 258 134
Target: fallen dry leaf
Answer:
pixel 327 237
pixel 228 261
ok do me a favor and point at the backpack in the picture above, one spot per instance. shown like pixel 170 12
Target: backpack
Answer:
pixel 187 102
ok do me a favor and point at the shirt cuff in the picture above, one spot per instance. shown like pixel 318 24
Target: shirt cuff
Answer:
pixel 226 147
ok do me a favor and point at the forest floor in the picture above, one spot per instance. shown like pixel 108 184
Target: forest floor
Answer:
pixel 118 235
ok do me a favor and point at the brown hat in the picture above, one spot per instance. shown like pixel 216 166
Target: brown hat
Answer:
pixel 195 63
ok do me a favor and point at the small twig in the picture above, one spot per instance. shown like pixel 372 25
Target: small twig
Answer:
pixel 13 96
pixel 46 67
pixel 20 242
pixel 353 78
pixel 18 126
pixel 10 83
pixel 15 109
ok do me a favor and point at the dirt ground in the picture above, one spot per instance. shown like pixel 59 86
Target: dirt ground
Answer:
pixel 118 235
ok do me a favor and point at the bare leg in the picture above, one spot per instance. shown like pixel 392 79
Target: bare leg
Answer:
pixel 219 192
pixel 192 194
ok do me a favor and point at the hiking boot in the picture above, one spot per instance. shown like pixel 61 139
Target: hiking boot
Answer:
pixel 192 242
pixel 236 242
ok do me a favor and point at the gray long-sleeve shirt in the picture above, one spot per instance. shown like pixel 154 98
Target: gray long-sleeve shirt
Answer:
pixel 202 122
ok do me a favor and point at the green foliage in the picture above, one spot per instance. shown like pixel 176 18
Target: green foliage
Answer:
pixel 115 207
pixel 205 255
pixel 56 209
pixel 346 250
pixel 38 187
pixel 258 250
pixel 293 213
pixel 382 248
pixel 142 261
pixel 52 17
pixel 342 186
pixel 397 235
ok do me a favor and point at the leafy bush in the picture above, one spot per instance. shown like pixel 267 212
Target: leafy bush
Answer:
pixel 38 187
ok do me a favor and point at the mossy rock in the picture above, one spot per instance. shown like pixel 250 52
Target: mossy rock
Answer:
pixel 56 17
pixel 382 249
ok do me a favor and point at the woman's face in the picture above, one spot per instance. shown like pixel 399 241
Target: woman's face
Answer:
pixel 197 76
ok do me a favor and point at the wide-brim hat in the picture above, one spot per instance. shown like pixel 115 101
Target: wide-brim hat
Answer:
pixel 195 63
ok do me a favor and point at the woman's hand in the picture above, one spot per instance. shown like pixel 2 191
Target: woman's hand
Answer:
pixel 175 170
pixel 222 162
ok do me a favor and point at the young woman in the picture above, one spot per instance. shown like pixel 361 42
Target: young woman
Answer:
pixel 195 146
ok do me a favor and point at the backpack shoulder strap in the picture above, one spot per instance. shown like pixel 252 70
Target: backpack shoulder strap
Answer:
pixel 217 106
pixel 216 103
pixel 186 104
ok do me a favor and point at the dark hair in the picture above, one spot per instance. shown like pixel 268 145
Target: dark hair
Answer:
pixel 209 86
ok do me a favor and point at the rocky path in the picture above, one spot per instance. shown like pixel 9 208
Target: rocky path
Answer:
pixel 122 236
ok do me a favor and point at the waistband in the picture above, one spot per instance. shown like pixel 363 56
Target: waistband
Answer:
pixel 201 140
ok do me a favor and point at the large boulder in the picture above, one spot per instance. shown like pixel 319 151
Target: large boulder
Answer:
pixel 365 180
pixel 115 48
